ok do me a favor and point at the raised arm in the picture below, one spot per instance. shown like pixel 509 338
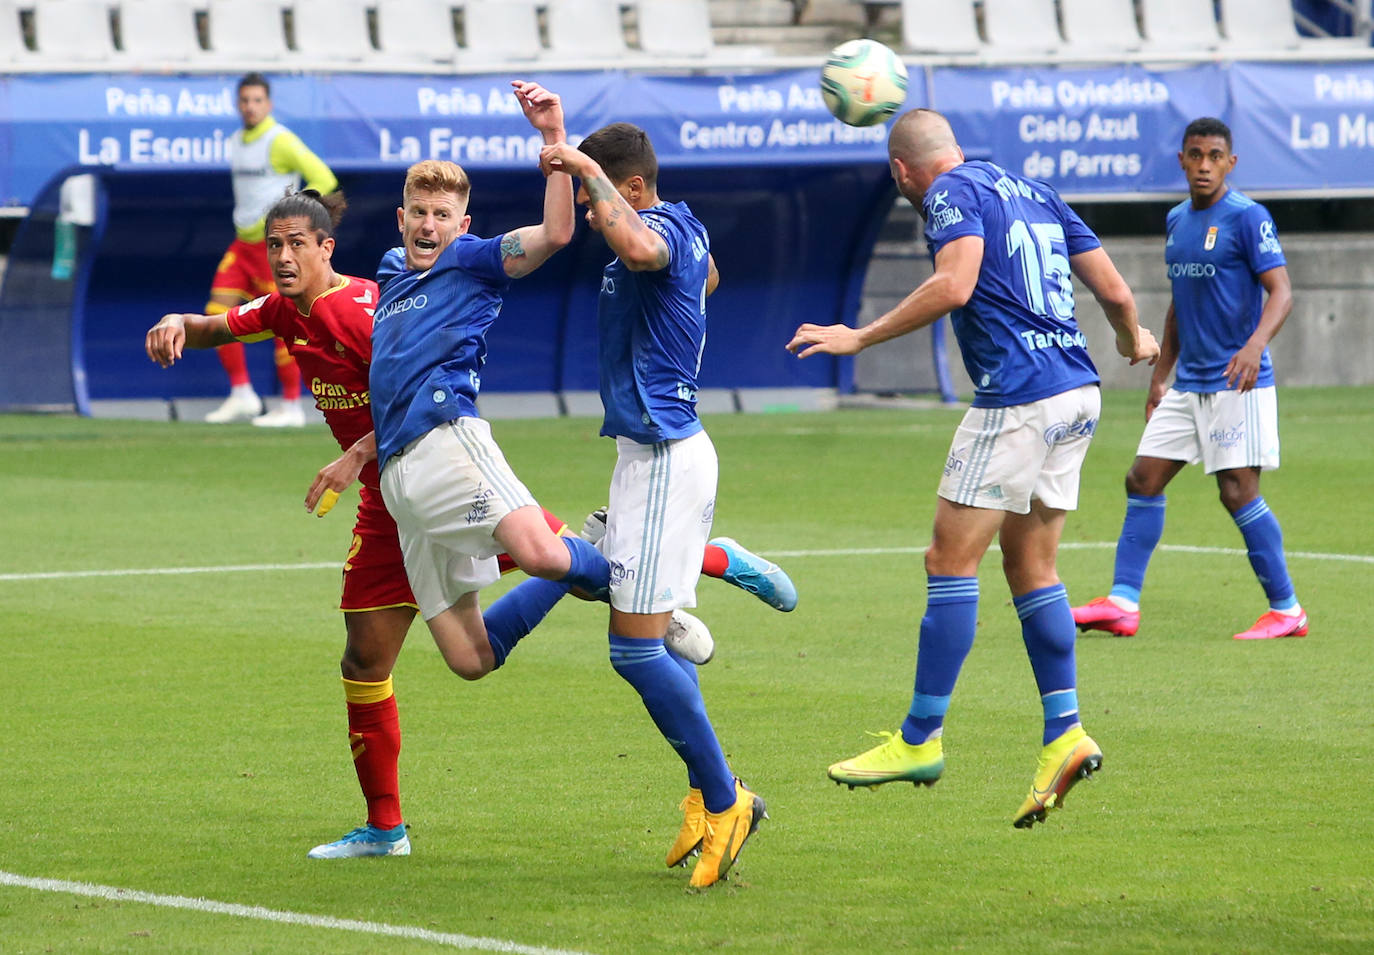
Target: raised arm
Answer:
pixel 166 340
pixel 957 265
pixel 1097 271
pixel 639 248
pixel 525 249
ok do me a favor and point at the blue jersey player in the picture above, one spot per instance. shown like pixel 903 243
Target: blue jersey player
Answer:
pixel 1231 295
pixel 1004 248
pixel 652 329
pixel 455 500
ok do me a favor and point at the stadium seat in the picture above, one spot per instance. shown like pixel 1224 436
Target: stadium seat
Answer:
pixel 71 31
pixel 586 30
pixel 1179 25
pixel 158 31
pixel 940 26
pixel 246 29
pixel 1028 26
pixel 675 27
pixel 500 31
pixel 332 31
pixel 415 34
pixel 1259 24
pixel 1092 26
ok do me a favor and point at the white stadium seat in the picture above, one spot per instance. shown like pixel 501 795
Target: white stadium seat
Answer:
pixel 675 27
pixel 158 31
pixel 940 26
pixel 500 31
pixel 1029 26
pixel 12 47
pixel 415 34
pixel 586 30
pixel 246 29
pixel 332 31
pixel 69 31
pixel 1260 24
pixel 1100 25
pixel 1179 24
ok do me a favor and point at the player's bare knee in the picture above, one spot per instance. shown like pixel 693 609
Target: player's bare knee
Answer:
pixel 549 559
pixel 357 667
pixel 1234 496
pixel 1139 484
pixel 470 668
pixel 948 563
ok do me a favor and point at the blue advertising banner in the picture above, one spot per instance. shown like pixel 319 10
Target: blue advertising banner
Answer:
pixel 356 120
pixel 1108 130
pixel 1304 126
pixel 1082 130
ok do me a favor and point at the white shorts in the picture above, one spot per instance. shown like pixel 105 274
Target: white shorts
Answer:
pixel 1001 458
pixel 447 490
pixel 1224 430
pixel 663 499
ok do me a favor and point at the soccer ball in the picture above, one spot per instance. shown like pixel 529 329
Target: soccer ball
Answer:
pixel 863 82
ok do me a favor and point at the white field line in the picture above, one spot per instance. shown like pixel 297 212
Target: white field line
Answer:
pixel 1071 545
pixel 777 554
pixel 114 894
pixel 171 571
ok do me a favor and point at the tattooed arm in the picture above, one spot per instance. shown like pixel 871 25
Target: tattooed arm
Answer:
pixel 640 248
pixel 525 249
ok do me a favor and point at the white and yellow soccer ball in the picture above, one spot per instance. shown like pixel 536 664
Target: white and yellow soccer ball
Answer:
pixel 863 82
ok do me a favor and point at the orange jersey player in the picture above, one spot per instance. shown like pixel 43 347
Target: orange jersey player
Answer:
pixel 325 320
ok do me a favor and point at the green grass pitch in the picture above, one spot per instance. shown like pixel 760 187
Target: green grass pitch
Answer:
pixel 184 734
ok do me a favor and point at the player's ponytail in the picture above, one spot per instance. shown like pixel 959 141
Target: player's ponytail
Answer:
pixel 322 212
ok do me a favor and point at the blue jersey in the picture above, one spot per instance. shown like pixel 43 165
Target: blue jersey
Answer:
pixel 1017 332
pixel 1215 257
pixel 652 329
pixel 429 339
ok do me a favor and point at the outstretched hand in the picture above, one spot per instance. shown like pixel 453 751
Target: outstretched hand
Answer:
pixel 811 339
pixel 542 108
pixel 165 340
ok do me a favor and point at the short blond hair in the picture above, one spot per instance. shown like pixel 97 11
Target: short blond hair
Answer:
pixel 436 175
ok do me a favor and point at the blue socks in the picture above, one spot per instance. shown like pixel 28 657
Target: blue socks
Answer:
pixel 946 637
pixel 674 703
pixel 518 612
pixel 689 668
pixel 1140 534
pixel 1048 630
pixel 947 632
pixel 1144 525
pixel 589 571
pixel 1264 547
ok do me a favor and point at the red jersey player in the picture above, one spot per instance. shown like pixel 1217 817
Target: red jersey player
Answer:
pixel 325 319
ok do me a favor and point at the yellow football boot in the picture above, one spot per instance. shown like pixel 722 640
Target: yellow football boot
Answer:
pixel 891 761
pixel 693 829
pixel 1063 762
pixel 726 833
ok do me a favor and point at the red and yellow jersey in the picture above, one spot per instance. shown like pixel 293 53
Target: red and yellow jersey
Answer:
pixel 332 343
